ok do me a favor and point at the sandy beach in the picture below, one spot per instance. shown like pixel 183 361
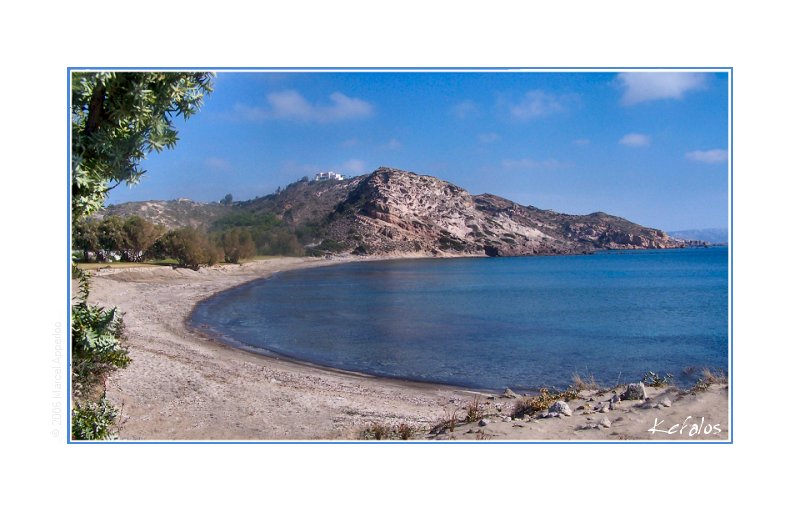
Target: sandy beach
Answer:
pixel 183 385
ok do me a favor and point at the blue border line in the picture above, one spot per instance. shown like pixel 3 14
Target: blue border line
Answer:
pixel 71 69
pixel 69 258
pixel 730 269
pixel 357 68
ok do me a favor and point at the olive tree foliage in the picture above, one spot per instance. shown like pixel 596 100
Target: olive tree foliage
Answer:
pixel 117 119
pixel 120 117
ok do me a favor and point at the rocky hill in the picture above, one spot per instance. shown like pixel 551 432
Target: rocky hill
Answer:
pixel 171 214
pixel 393 211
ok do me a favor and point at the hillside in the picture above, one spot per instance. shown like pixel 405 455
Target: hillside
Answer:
pixel 171 214
pixel 393 211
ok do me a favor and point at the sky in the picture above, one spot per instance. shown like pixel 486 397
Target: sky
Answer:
pixel 650 146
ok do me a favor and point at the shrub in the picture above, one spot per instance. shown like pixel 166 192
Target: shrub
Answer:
pixel 655 380
pixel 190 247
pixel 474 411
pixel 96 350
pixel 708 378
pixel 94 421
pixel 381 431
pixel 543 401
pixel 237 244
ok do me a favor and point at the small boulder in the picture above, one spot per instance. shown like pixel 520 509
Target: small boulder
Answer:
pixel 665 402
pixel 560 407
pixel 483 422
pixel 509 394
pixel 635 391
pixel 605 422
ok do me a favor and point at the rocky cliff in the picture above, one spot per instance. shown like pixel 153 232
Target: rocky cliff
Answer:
pixel 396 211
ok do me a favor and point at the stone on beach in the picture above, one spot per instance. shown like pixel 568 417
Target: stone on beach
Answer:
pixel 559 408
pixel 635 391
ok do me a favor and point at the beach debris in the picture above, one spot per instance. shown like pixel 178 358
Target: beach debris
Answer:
pixel 635 391
pixel 560 408
pixel 509 394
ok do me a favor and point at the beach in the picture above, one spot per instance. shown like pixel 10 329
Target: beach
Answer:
pixel 183 385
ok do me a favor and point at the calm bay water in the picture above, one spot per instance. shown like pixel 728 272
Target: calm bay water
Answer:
pixel 492 322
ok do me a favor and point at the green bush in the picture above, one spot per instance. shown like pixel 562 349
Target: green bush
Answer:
pixel 190 247
pixel 237 244
pixel 96 350
pixel 94 421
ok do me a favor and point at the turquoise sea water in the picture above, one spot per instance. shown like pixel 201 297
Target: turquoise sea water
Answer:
pixel 489 323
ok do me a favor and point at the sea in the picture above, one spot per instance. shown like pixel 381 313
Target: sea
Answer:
pixel 491 323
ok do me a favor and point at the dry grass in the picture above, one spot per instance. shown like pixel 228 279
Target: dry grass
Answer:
pixel 474 411
pixel 384 432
pixel 543 401
pixel 707 378
pixel 581 384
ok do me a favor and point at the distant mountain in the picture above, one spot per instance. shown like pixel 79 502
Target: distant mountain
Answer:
pixel 712 236
pixel 393 211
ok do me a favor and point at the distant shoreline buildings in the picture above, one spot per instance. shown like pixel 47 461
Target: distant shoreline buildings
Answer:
pixel 327 176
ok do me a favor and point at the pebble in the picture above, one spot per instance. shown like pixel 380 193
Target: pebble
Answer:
pixel 666 402
pixel 483 422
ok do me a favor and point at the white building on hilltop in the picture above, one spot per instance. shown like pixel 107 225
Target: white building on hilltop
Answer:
pixel 325 176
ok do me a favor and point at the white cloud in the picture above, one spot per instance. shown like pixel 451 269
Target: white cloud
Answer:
pixel 635 140
pixel 531 164
pixel 488 138
pixel 581 142
pixel 535 104
pixel 290 105
pixel 466 109
pixel 393 144
pixel 711 156
pixel 354 166
pixel 217 164
pixel 647 86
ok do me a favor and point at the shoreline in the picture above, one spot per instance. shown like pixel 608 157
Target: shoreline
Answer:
pixel 185 384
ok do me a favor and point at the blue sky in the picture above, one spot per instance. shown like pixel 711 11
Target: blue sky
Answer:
pixel 648 146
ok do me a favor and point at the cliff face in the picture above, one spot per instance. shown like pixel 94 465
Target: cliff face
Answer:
pixel 395 211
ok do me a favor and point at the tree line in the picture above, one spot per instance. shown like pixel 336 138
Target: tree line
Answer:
pixel 233 238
